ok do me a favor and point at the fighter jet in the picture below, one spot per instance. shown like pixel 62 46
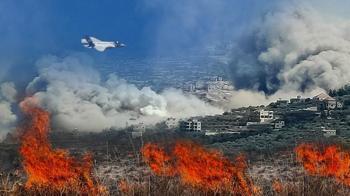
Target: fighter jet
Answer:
pixel 92 42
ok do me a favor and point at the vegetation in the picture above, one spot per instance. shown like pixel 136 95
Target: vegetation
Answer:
pixel 299 183
pixel 340 92
pixel 271 164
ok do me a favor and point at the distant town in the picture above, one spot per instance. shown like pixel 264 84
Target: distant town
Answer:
pixel 275 116
pixel 298 117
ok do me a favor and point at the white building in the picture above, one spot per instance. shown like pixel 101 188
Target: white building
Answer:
pixel 279 124
pixel 171 123
pixel 211 133
pixel 328 132
pixel 326 102
pixel 266 116
pixel 219 85
pixel 192 125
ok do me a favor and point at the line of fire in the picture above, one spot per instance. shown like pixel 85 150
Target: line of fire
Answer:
pixel 175 98
pixel 186 158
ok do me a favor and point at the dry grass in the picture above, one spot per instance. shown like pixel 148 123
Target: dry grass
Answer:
pixel 128 175
pixel 11 184
pixel 309 186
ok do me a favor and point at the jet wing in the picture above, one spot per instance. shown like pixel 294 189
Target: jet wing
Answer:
pixel 94 39
pixel 100 48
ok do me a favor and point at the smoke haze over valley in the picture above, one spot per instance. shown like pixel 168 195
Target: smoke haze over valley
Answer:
pixel 175 97
pixel 281 50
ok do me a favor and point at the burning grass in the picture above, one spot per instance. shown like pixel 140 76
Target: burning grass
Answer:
pixel 200 168
pixel 185 168
pixel 331 161
pixel 51 169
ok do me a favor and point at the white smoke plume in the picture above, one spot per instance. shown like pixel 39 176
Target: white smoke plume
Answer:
pixel 296 49
pixel 243 98
pixel 8 119
pixel 77 97
pixel 290 51
pixel 279 49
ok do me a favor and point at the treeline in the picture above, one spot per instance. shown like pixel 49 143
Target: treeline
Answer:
pixel 340 92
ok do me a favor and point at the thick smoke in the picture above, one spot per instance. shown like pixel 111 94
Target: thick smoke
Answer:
pixel 8 95
pixel 243 98
pixel 77 97
pixel 293 49
pixel 287 52
pixel 279 49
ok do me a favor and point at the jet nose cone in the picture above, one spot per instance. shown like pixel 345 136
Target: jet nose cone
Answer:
pixel 122 45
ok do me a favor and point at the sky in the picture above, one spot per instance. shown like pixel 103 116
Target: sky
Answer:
pixel 34 27
pixel 31 29
pixel 270 49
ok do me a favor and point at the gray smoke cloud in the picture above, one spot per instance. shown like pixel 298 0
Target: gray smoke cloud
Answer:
pixel 8 119
pixel 290 51
pixel 77 97
pixel 279 49
pixel 295 49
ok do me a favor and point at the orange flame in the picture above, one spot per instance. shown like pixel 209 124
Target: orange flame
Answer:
pixel 330 162
pixel 277 186
pixel 49 168
pixel 158 160
pixel 198 167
